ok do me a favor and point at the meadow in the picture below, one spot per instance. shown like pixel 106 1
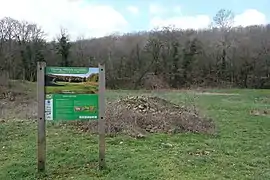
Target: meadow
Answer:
pixel 239 150
pixel 80 88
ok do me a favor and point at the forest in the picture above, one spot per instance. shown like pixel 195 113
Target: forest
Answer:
pixel 222 55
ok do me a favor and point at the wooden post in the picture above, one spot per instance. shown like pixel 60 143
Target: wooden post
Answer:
pixel 41 116
pixel 101 121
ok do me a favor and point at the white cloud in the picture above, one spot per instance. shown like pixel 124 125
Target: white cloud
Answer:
pixel 156 9
pixel 77 17
pixel 248 17
pixel 133 9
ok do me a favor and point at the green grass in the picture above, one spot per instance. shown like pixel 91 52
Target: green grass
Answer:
pixel 80 88
pixel 239 151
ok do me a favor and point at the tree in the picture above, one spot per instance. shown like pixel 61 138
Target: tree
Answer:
pixel 63 48
pixel 176 76
pixel 220 55
pixel 224 20
pixel 190 51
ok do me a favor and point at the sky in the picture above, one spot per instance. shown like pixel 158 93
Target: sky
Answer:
pixel 97 18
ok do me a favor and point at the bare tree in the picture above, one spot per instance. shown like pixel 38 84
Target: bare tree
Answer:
pixel 217 56
pixel 224 20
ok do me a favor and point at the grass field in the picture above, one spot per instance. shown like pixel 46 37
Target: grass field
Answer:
pixel 240 150
pixel 80 88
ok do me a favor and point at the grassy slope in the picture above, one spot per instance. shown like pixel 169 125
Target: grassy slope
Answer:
pixel 240 151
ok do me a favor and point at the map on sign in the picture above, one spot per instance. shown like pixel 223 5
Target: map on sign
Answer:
pixel 71 93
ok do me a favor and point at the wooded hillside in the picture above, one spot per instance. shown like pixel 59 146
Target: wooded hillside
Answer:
pixel 222 55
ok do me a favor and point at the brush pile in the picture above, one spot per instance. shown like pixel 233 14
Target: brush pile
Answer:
pixel 139 115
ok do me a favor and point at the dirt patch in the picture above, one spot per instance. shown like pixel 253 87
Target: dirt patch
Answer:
pixel 260 112
pixel 263 100
pixel 140 115
pixel 217 94
pixel 19 109
pixel 17 101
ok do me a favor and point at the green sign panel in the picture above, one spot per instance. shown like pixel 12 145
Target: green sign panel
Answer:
pixel 71 93
pixel 67 70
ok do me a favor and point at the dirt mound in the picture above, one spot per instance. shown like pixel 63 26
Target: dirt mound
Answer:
pixel 140 115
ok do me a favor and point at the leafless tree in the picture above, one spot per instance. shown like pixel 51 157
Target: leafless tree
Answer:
pixel 220 55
